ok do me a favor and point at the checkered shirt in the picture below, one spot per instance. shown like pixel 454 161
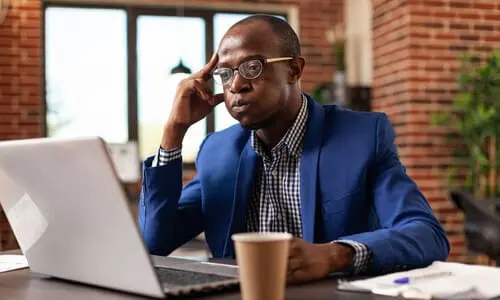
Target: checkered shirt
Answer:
pixel 275 205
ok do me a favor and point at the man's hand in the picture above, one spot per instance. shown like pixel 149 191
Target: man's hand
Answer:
pixel 307 262
pixel 193 101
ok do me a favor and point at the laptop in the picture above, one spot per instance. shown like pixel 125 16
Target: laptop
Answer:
pixel 72 220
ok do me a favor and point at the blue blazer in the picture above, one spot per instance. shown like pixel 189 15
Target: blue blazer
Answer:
pixel 352 186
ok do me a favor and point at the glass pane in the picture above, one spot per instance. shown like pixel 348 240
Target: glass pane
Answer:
pixel 86 73
pixel 161 43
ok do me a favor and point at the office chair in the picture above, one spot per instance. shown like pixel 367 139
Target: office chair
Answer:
pixel 482 224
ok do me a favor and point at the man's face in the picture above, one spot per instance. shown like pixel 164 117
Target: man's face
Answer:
pixel 256 102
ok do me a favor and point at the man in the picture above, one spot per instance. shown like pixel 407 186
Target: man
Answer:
pixel 329 176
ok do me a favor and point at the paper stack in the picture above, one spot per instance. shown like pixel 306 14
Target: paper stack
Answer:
pixel 12 262
pixel 441 280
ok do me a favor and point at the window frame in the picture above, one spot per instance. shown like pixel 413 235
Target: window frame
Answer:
pixel 132 13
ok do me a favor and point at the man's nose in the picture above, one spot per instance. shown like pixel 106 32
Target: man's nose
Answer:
pixel 239 84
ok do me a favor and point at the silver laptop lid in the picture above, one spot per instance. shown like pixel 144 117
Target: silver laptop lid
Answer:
pixel 57 197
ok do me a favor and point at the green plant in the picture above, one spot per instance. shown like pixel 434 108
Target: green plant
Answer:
pixel 323 93
pixel 336 37
pixel 475 121
pixel 339 54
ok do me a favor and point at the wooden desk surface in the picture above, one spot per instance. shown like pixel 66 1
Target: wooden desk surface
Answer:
pixel 25 285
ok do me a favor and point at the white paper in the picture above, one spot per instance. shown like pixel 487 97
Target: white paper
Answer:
pixel 465 282
pixel 12 262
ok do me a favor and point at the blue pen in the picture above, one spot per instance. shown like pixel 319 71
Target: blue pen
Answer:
pixel 408 279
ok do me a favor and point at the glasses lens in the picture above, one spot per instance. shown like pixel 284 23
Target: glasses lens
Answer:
pixel 250 69
pixel 222 75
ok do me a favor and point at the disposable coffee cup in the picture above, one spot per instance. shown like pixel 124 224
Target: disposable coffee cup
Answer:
pixel 262 259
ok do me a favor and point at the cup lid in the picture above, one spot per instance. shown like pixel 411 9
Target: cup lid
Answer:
pixel 261 236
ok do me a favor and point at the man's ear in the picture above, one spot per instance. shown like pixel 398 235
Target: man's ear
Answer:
pixel 296 69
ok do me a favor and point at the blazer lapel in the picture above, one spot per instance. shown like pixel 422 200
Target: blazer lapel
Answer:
pixel 242 195
pixel 309 167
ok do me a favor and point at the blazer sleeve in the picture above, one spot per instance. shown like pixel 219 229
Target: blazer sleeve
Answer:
pixel 410 234
pixel 169 215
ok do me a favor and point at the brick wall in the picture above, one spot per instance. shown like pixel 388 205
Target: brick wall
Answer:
pixel 416 47
pixel 21 103
pixel 21 109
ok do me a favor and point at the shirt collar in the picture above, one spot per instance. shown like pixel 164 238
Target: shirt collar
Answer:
pixel 293 138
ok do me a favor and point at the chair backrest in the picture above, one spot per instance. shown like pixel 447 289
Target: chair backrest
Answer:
pixel 482 224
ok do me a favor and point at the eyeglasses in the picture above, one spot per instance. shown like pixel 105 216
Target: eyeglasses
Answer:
pixel 250 69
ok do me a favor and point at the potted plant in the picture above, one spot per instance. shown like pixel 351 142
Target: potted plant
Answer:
pixel 474 121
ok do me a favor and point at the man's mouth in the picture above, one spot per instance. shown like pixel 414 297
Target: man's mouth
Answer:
pixel 240 105
pixel 240 102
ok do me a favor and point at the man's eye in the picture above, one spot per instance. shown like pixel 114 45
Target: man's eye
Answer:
pixel 252 68
pixel 225 75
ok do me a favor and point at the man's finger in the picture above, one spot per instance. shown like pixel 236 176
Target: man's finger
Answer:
pixel 295 277
pixel 216 99
pixel 293 248
pixel 200 87
pixel 294 264
pixel 205 71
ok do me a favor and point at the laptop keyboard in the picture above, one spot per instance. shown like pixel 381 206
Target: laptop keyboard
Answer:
pixel 185 278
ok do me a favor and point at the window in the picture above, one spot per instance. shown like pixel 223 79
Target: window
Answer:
pixel 163 41
pixel 107 71
pixel 86 73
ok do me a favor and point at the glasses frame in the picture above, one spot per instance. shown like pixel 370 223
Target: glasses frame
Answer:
pixel 263 61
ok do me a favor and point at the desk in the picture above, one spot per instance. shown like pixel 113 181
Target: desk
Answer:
pixel 23 284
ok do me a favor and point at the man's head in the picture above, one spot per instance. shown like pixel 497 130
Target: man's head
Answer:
pixel 255 42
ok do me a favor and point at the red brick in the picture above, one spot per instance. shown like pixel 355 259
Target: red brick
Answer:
pixel 494 38
pixel 469 37
pixel 484 6
pixel 461 26
pixel 459 4
pixel 435 24
pixel 445 36
pixel 424 35
pixel 434 3
pixel 492 16
pixel 422 13
pixel 435 47
pixel 469 16
pixel 445 14
pixel 484 27
pixel 487 49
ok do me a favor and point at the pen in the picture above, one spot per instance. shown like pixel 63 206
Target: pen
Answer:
pixel 407 279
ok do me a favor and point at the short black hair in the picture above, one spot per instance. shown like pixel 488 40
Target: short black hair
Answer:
pixel 286 36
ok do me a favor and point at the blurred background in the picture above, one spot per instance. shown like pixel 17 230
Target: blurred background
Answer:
pixel 72 68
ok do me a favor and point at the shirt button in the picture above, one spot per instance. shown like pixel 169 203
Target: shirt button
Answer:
pixel 274 172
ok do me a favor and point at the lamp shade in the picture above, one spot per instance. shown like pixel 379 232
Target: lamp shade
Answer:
pixel 180 68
